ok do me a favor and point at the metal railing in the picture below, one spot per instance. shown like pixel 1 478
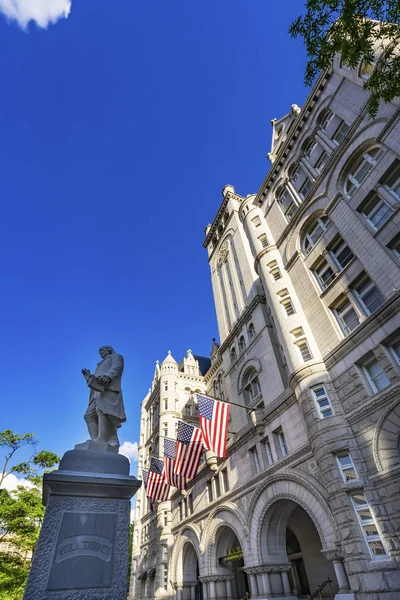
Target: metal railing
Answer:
pixel 317 593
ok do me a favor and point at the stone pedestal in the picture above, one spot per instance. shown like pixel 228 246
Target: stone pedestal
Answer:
pixel 82 552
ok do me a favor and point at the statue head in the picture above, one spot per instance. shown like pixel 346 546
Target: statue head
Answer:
pixel 106 350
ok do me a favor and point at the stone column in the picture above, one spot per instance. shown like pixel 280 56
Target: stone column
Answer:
pixel 228 585
pixel 386 195
pixel 253 585
pixel 337 560
pixel 266 584
pixel 83 547
pixel 308 169
pixel 212 590
pixel 325 142
pixel 285 583
pixel 192 592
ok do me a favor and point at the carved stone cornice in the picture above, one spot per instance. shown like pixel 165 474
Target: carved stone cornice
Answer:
pixel 332 554
pixel 214 367
pixel 220 213
pixel 214 578
pixel 261 254
pixel 368 407
pixel 282 568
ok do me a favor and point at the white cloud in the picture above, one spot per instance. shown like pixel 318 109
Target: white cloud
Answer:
pixel 43 12
pixel 11 482
pixel 130 450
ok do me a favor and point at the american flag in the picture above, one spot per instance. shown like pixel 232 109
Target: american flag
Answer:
pixel 145 475
pixel 157 489
pixel 169 464
pixel 214 417
pixel 189 448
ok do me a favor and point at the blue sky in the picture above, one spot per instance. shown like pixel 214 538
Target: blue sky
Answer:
pixel 119 126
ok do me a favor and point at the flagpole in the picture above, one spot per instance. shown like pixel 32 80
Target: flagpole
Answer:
pixel 226 402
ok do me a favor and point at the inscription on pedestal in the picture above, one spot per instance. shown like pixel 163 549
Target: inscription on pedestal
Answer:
pixel 84 552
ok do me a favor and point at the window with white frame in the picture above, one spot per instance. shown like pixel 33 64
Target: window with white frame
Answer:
pixel 165 403
pixel 268 451
pixel 323 273
pixel 375 374
pixel 322 400
pixel 325 118
pixel 395 349
pixel 263 240
pixel 280 442
pixel 368 295
pixel 360 170
pixel 217 486
pixel 302 344
pixel 165 577
pixel 165 430
pixel 165 386
pixel 346 316
pixel 394 188
pixel 376 211
pixel 340 133
pixel 210 491
pixel 341 253
pixel 255 460
pixel 346 466
pixel 309 147
pixel 368 525
pixel 242 343
pixel 251 331
pixel 294 173
pixel 366 69
pixel 256 221
pixel 287 203
pixel 394 245
pixel 274 270
pixel 321 161
pixel 313 233
pixel 305 188
pixel 251 385
pixel 286 302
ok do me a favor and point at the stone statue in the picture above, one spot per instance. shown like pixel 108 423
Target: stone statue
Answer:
pixel 106 411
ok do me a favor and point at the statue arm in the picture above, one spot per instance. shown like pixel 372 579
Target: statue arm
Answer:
pixel 117 366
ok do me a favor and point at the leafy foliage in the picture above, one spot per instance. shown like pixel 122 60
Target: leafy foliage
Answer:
pixel 21 512
pixel 362 31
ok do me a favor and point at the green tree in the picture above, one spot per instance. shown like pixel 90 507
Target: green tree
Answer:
pixel 21 511
pixel 362 31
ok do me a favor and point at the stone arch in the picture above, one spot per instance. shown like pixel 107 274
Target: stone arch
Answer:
pixel 368 135
pixel 298 489
pixel 252 362
pixel 227 515
pixel 189 535
pixel 315 208
pixel 386 438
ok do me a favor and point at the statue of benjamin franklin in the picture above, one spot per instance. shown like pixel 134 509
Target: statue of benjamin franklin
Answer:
pixel 106 411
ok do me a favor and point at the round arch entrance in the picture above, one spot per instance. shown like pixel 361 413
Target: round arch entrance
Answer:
pixel 192 586
pixel 232 582
pixel 290 539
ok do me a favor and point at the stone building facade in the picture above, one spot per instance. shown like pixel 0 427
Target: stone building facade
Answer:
pixel 306 277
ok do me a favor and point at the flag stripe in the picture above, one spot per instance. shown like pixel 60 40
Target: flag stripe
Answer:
pixel 157 488
pixel 189 448
pixel 214 418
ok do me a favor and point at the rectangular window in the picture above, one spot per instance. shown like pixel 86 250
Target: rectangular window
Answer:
pixel 341 253
pixel 377 212
pixel 346 316
pixel 210 491
pixel 165 430
pixel 288 306
pixel 165 577
pixel 304 350
pixel 256 221
pixel 165 403
pixel 217 486
pixel 322 401
pixel 165 518
pixel 346 466
pixel 341 132
pixel 290 210
pixel 376 375
pixel 305 188
pixel 321 162
pixel 274 270
pixel 324 274
pixel 263 240
pixel 368 526
pixel 225 480
pixel 280 442
pixel 395 350
pixel 394 245
pixel 166 386
pixel 268 451
pixel 190 504
pixel 369 295
pixel 255 459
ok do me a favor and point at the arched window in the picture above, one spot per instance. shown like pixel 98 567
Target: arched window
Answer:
pixel 251 331
pixel 242 343
pixel 220 387
pixel 313 233
pixel 324 119
pixel 294 172
pixel 233 354
pixel 251 385
pixel 215 389
pixel 286 201
pixel 360 169
pixel 309 146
